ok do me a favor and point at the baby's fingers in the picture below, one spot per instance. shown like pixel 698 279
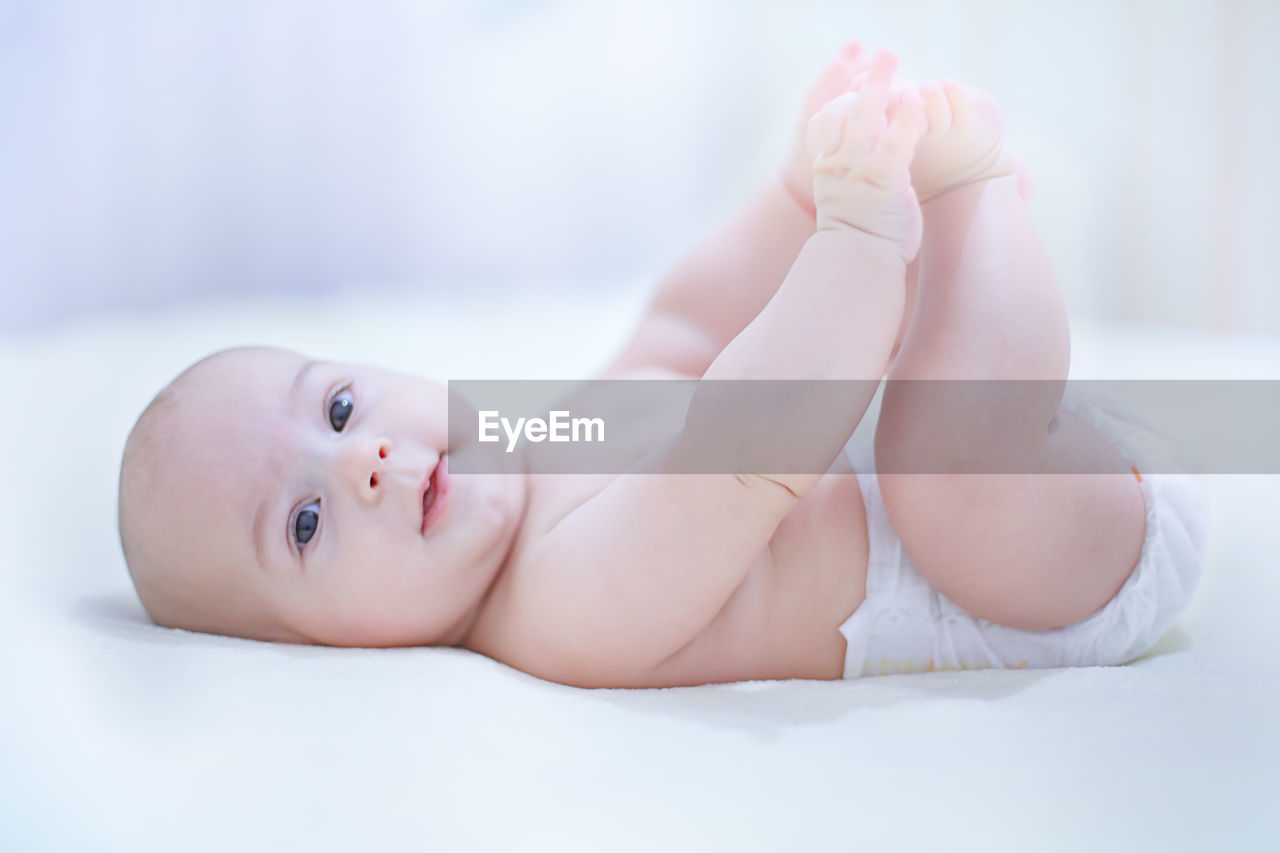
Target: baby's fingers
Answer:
pixel 866 116
pixel 873 92
pixel 906 126
pixel 852 123
pixel 826 129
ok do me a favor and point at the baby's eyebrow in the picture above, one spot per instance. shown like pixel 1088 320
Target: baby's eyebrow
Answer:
pixel 301 379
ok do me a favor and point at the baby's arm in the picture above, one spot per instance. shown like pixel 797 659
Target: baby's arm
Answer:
pixel 836 315
pixel 625 580
pixel 713 293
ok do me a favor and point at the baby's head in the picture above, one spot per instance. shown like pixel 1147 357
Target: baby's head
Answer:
pixel 269 496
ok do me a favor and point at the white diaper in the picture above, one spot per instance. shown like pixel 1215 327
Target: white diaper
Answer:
pixel 905 625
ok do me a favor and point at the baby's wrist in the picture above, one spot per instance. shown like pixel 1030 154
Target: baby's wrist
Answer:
pixel 866 243
pixel 826 223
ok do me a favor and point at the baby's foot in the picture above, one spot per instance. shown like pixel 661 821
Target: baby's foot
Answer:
pixel 963 141
pixel 862 144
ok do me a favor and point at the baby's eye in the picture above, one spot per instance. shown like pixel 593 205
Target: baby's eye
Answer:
pixel 340 409
pixel 305 523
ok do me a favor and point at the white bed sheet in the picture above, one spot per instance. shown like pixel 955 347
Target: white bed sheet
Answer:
pixel 117 735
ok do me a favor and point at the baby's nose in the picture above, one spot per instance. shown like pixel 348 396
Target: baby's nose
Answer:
pixel 361 464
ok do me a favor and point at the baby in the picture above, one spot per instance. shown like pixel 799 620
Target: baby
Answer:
pixel 269 496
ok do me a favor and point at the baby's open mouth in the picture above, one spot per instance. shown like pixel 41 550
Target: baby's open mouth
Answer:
pixel 435 498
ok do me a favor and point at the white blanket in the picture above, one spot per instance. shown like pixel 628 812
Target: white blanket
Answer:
pixel 118 735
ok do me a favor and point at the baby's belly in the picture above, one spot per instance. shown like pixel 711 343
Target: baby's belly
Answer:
pixel 783 621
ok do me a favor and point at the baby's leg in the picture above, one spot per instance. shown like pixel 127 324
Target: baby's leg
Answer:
pixel 963 146
pixel 1032 551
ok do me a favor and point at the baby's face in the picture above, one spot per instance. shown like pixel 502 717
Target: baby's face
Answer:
pixel 305 482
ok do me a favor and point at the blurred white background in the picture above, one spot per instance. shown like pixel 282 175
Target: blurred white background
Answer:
pixel 150 150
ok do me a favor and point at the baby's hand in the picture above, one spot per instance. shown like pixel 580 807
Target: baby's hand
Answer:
pixel 834 81
pixel 861 145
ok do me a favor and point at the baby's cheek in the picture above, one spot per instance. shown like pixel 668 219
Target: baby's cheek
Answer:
pixel 377 582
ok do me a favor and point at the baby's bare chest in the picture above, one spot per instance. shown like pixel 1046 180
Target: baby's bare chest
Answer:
pixel 782 620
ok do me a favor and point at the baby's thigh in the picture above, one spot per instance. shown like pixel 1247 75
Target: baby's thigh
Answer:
pixel 1028 551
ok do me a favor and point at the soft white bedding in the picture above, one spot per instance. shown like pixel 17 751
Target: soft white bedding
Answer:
pixel 115 734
